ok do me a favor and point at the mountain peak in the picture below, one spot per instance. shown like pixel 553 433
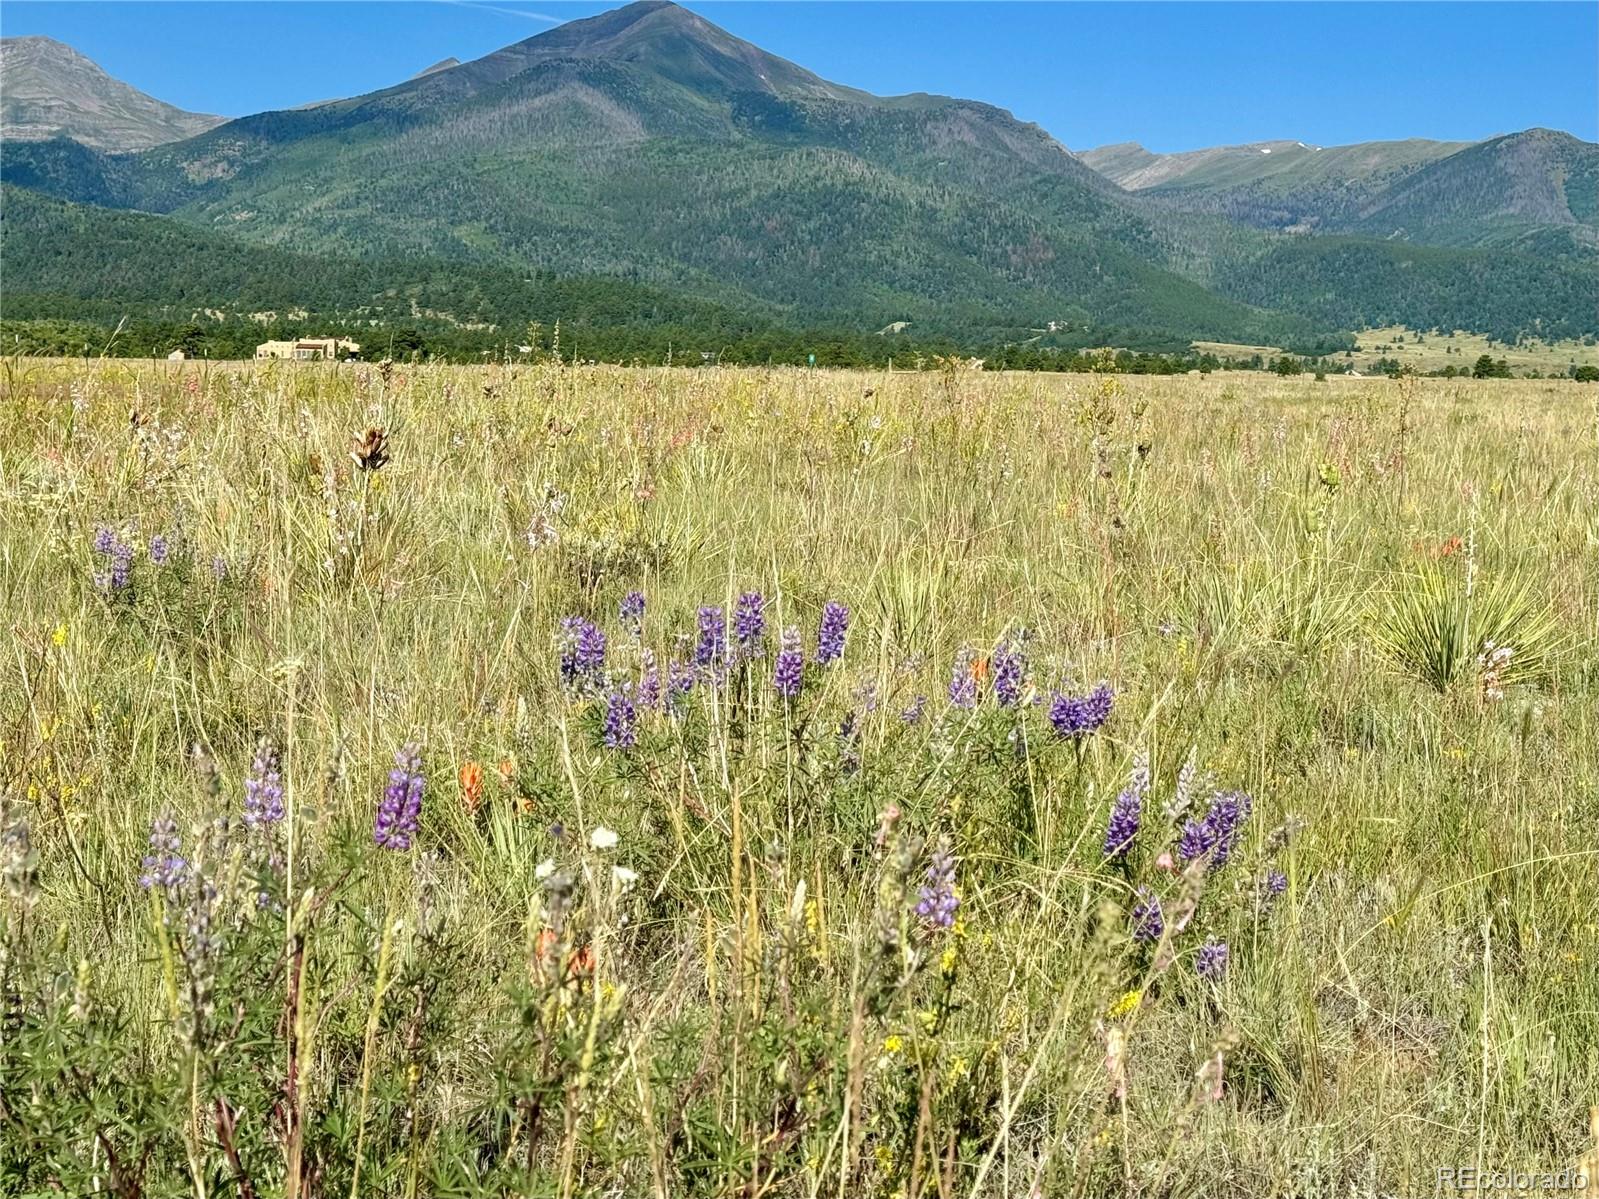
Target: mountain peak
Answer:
pixel 51 90
pixel 664 38
pixel 444 64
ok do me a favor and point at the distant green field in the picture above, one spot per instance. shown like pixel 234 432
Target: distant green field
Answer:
pixel 1434 351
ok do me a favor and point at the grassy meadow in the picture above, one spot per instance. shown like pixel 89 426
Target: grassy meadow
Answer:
pixel 361 838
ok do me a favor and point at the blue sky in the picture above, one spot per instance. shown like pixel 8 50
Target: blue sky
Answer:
pixel 1173 76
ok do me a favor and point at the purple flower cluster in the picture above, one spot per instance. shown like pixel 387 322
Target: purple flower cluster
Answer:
pixel 963 681
pixel 830 634
pixel 1215 837
pixel 936 902
pixel 118 560
pixel 1149 919
pixel 1081 715
pixel 1210 963
pixel 582 654
pixel 621 719
pixel 160 549
pixel 913 712
pixel 631 612
pixel 749 625
pixel 263 789
pixel 710 651
pixel 788 675
pixel 401 807
pixel 164 866
pixel 1009 665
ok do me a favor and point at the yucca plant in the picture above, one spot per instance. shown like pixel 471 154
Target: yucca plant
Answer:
pixel 1436 627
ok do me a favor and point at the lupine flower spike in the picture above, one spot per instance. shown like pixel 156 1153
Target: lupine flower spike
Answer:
pixel 788 675
pixel 164 867
pixel 937 901
pixel 1127 811
pixel 400 810
pixel 582 654
pixel 1149 920
pixel 749 625
pixel 263 789
pixel 1076 716
pixel 830 635
pixel 621 718
pixel 1009 667
pixel 631 612
pixel 710 651
pixel 963 681
pixel 1210 963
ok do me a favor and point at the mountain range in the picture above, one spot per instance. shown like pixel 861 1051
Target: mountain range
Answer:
pixel 1442 193
pixel 648 147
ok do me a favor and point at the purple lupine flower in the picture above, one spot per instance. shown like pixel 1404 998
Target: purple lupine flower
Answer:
pixel 1123 824
pixel 1210 963
pixel 1272 887
pixel 401 807
pixel 621 719
pixel 937 901
pixel 1217 834
pixel 163 865
pixel 679 680
pixel 1149 919
pixel 1228 812
pixel 788 675
pixel 1081 715
pixel 912 714
pixel 1128 810
pixel 1009 666
pixel 830 634
pixel 1195 840
pixel 963 681
pixel 263 789
pixel 710 651
pixel 749 624
pixel 631 612
pixel 649 686
pixel 119 567
pixel 582 653
pixel 219 567
pixel 160 549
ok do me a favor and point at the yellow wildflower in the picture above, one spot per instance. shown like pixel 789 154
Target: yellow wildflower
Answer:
pixel 893 1043
pixel 1125 1006
pixel 59 635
